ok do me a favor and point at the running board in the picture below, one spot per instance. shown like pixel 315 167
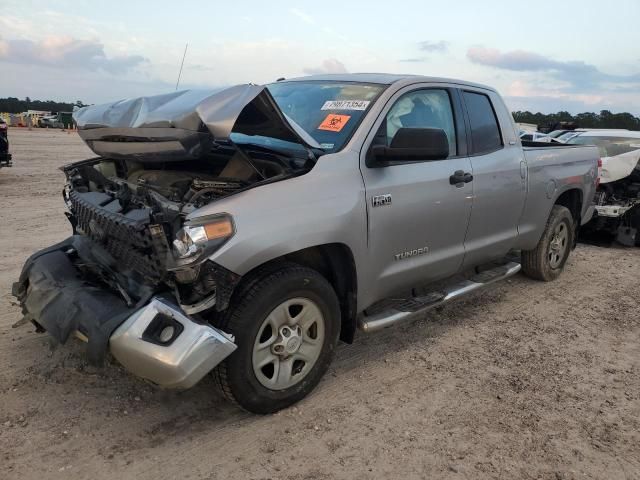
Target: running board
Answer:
pixel 406 309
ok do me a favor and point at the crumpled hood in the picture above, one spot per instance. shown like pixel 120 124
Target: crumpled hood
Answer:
pixel 184 125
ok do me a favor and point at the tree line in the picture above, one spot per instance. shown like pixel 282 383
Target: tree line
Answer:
pixel 15 105
pixel 604 119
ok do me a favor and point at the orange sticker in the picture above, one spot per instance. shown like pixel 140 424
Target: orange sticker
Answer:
pixel 334 123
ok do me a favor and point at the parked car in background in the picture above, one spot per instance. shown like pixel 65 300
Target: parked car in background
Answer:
pixel 5 156
pixel 49 121
pixel 272 220
pixel 534 137
pixel 564 137
pixel 57 120
pixel 557 133
pixel 618 195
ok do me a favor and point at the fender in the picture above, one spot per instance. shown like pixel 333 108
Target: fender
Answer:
pixel 325 206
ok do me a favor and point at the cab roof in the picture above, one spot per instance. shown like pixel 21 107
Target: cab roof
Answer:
pixel 383 79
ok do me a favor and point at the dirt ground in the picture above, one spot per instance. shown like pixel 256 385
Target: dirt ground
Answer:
pixel 529 380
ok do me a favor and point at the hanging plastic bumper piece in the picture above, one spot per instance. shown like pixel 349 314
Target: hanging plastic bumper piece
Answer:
pixel 153 339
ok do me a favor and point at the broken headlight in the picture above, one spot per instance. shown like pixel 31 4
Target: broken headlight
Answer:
pixel 202 234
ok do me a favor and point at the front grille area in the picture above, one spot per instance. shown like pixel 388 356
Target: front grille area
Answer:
pixel 128 240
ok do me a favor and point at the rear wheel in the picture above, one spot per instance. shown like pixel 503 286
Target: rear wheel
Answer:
pixel 286 324
pixel 547 260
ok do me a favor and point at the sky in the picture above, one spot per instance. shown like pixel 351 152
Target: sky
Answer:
pixel 543 56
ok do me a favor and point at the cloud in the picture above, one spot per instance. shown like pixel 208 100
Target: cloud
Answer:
pixel 429 47
pixel 413 60
pixel 433 47
pixel 330 65
pixel 578 74
pixel 88 86
pixel 543 97
pixel 305 17
pixel 66 52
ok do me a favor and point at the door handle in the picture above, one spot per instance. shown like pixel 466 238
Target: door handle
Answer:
pixel 459 178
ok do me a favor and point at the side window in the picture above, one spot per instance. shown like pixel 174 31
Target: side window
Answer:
pixel 422 109
pixel 485 133
pixel 527 138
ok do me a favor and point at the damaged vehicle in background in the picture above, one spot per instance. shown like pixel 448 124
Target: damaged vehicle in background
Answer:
pixel 5 156
pixel 618 195
pixel 534 137
pixel 243 233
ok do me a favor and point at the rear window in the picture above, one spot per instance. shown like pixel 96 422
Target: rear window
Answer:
pixel 608 146
pixel 485 133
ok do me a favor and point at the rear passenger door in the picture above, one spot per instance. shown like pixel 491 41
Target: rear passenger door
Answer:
pixel 499 177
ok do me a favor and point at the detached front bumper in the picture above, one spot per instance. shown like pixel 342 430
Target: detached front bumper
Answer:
pixel 154 340
pixel 162 344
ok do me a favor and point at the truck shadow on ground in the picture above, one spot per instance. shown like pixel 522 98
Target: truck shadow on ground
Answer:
pixel 155 416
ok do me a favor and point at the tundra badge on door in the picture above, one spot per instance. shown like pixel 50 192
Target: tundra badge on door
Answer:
pixel 381 200
pixel 411 253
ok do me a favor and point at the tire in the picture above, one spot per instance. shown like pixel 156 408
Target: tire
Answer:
pixel 547 260
pixel 254 316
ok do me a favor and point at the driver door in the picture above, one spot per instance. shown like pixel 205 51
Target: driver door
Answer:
pixel 417 219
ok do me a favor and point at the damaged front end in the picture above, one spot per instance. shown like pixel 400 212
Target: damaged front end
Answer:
pixel 64 291
pixel 136 277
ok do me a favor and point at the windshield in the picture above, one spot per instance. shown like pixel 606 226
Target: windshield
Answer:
pixel 608 146
pixel 328 111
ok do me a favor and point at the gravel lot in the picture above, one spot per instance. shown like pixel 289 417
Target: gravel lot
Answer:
pixel 528 380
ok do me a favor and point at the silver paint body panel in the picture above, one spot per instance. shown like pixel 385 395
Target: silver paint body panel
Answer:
pixel 504 208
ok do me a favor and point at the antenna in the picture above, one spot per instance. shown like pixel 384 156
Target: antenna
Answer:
pixel 181 65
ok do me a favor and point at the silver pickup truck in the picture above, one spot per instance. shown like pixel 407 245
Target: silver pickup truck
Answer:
pixel 245 232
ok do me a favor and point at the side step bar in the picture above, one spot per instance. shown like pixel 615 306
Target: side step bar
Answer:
pixel 407 309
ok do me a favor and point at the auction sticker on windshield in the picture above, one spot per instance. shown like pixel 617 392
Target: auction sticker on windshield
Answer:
pixel 334 123
pixel 345 105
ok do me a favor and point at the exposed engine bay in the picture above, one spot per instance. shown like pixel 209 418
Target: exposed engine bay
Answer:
pixel 178 187
pixel 132 215
pixel 159 160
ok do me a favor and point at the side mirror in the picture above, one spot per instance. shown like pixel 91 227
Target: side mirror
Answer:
pixel 412 145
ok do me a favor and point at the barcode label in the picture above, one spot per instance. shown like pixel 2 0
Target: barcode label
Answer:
pixel 345 105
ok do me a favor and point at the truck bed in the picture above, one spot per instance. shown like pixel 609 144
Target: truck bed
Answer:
pixel 552 170
pixel 526 145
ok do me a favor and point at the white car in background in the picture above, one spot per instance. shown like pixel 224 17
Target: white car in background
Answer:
pixel 618 195
pixel 565 137
pixel 534 137
pixel 561 136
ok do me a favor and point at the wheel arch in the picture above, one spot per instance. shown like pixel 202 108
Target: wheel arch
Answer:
pixel 571 198
pixel 335 262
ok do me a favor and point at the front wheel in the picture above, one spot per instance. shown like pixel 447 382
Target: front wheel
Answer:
pixel 286 325
pixel 547 260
